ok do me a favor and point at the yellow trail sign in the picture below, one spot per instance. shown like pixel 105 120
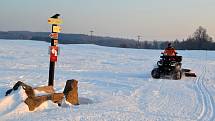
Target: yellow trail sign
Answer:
pixel 54 21
pixel 56 29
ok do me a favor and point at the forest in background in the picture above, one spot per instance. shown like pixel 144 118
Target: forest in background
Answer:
pixel 200 40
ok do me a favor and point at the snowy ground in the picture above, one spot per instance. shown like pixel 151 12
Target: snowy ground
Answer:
pixel 114 84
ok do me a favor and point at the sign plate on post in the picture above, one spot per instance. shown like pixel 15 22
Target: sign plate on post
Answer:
pixel 53 53
pixel 54 35
pixel 56 29
pixel 55 42
pixel 54 21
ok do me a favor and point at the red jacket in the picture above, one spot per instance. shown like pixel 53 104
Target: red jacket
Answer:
pixel 170 51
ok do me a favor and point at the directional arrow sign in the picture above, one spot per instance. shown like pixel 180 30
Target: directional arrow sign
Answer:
pixel 54 21
pixel 54 35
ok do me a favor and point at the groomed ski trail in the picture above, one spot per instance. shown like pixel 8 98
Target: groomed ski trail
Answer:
pixel 207 102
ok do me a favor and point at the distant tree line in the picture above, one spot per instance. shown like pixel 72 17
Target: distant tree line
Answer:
pixel 200 40
pixel 69 38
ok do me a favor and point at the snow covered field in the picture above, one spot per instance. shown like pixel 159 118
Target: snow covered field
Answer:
pixel 114 84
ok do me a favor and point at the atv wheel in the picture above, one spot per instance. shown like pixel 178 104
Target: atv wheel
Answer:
pixel 155 73
pixel 177 75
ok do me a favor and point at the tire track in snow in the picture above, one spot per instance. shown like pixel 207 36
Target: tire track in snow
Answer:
pixel 207 111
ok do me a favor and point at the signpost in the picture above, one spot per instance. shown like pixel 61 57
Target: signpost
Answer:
pixel 55 21
pixel 70 93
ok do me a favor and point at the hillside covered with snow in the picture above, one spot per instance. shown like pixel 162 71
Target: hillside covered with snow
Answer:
pixel 114 84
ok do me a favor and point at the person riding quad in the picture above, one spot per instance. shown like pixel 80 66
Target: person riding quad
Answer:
pixel 170 51
pixel 169 64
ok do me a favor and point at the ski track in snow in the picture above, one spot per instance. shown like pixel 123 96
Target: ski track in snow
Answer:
pixel 207 102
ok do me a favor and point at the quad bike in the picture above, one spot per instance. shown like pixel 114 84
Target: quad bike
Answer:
pixel 168 66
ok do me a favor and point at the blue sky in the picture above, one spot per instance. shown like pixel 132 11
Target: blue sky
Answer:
pixel 152 19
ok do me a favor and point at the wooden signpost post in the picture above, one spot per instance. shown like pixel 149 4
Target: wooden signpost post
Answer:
pixel 54 21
